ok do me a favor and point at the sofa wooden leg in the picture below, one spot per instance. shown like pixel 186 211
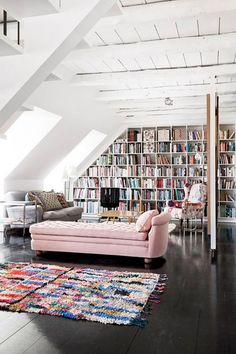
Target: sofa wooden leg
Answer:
pixel 147 260
pixel 39 253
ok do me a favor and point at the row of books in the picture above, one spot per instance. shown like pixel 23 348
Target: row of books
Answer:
pixel 148 160
pixel 163 160
pixel 105 160
pixel 178 183
pixel 163 171
pixel 80 193
pixel 92 207
pixel 134 170
pixel 149 194
pixel 196 147
pixel 178 194
pixel 163 147
pixel 119 148
pixel 227 146
pixel 227 159
pixel 87 182
pixel 227 184
pixel 227 211
pixel 134 135
pixel 120 182
pixel 227 197
pixel 163 134
pixel 227 171
pixel 148 183
pixel 192 160
pixel 226 134
pixel 163 194
pixel 109 171
pixel 196 171
pixel 134 159
pixel 195 135
pixel 179 133
pixel 134 148
pixel 178 147
pixel 179 160
pixel 163 183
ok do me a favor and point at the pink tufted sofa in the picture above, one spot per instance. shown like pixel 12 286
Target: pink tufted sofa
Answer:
pixel 118 238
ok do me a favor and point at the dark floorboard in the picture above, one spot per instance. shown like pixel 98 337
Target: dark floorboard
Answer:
pixel 197 314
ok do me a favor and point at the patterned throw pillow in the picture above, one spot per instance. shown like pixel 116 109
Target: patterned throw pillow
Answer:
pixel 62 200
pixel 33 196
pixel 49 200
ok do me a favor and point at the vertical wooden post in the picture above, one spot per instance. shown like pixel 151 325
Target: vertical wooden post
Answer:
pixel 212 158
pixel 217 156
pixel 208 100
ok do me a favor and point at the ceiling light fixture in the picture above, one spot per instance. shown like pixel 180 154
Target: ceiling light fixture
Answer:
pixel 168 101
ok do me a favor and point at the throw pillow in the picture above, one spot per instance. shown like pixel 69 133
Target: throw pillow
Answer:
pixel 62 200
pixel 49 200
pixel 143 223
pixel 32 196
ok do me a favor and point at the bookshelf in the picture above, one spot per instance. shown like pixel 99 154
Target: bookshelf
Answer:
pixel 149 164
pixel 227 172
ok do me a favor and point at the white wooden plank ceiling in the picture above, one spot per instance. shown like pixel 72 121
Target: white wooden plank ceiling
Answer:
pixel 136 64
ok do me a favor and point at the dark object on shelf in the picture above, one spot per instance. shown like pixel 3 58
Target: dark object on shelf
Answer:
pixel 110 197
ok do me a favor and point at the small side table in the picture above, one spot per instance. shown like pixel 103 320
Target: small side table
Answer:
pixel 118 214
pixel 20 223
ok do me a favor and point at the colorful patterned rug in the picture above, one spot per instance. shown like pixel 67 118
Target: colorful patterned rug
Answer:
pixel 88 294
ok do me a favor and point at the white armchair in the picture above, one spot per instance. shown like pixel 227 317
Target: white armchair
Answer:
pixel 193 205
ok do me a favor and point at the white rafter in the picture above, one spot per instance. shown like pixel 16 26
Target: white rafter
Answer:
pixel 155 75
pixel 171 10
pixel 158 47
pixel 178 91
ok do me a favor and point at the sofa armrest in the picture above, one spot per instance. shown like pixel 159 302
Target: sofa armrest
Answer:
pixel 158 235
pixel 161 219
pixel 70 203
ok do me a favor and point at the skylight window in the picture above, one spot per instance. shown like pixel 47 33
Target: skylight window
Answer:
pixel 68 166
pixel 23 135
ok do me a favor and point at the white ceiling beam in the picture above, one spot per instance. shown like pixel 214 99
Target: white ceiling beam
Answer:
pixel 157 47
pixel 170 10
pixel 181 91
pixel 159 120
pixel 191 73
pixel 180 110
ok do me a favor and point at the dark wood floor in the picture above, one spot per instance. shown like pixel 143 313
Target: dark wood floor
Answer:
pixel 197 313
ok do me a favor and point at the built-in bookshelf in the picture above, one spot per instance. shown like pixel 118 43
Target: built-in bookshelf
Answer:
pixel 227 172
pixel 149 165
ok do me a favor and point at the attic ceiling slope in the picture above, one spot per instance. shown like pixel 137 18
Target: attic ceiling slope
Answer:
pixel 47 42
pixel 79 115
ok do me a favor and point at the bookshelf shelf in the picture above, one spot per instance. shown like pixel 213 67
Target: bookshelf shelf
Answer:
pixel 152 163
pixel 227 172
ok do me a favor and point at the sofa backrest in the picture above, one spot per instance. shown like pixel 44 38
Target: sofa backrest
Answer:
pixel 15 196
